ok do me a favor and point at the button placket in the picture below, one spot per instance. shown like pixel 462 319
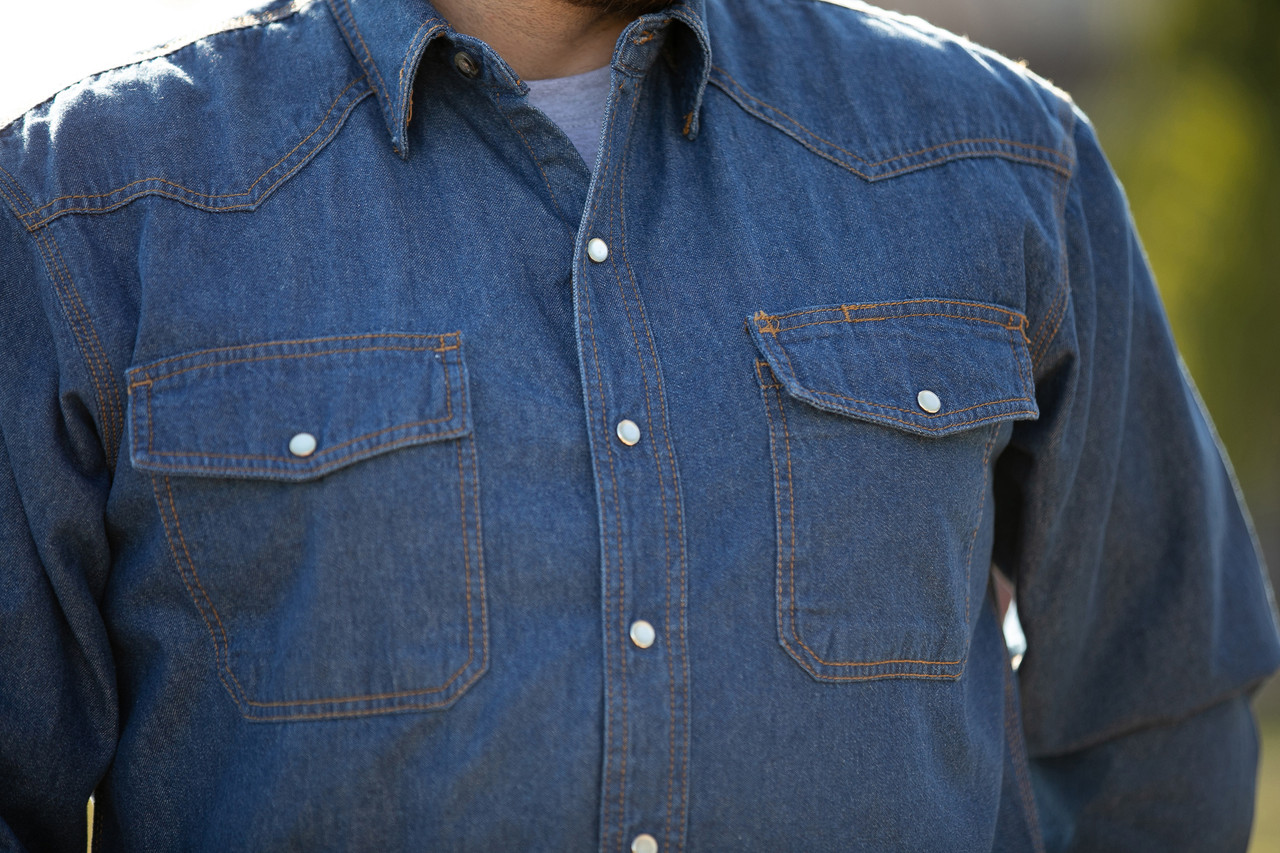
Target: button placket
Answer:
pixel 645 689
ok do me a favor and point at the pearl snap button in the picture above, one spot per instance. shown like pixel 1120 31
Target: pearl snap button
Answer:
pixel 302 444
pixel 929 402
pixel 642 633
pixel 467 66
pixel 597 250
pixel 628 432
pixel 644 843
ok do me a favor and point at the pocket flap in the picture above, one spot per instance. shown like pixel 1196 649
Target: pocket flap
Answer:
pixel 930 367
pixel 236 411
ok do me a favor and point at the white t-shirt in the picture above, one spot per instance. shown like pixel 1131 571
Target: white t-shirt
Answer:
pixel 576 104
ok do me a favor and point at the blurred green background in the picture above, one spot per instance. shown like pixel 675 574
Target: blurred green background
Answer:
pixel 1186 98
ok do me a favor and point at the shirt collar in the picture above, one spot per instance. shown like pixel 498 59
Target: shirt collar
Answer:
pixel 388 37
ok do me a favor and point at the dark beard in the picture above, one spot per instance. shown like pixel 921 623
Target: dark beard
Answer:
pixel 622 8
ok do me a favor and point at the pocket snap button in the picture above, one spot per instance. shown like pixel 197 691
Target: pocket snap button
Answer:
pixel 302 444
pixel 929 402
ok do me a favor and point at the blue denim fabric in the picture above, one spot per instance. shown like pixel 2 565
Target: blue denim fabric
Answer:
pixel 416 636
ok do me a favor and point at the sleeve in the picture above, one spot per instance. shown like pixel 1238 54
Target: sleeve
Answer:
pixel 58 706
pixel 1140 586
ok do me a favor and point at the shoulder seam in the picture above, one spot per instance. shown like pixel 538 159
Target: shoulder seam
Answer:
pixel 1051 323
pixel 106 390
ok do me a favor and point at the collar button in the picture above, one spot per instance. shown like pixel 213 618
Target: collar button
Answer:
pixel 466 65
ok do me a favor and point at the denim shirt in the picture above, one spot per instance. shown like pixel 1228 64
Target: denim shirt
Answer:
pixel 356 433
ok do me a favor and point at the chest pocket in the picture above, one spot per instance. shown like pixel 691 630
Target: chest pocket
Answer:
pixel 882 422
pixel 321 505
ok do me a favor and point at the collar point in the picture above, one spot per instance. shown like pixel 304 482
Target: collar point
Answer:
pixel 691 125
pixel 400 143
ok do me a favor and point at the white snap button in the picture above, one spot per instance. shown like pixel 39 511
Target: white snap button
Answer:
pixel 597 250
pixel 628 432
pixel 929 402
pixel 644 843
pixel 302 444
pixel 642 634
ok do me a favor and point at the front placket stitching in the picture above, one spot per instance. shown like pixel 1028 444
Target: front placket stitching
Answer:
pixel 669 480
pixel 617 741
pixel 599 434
